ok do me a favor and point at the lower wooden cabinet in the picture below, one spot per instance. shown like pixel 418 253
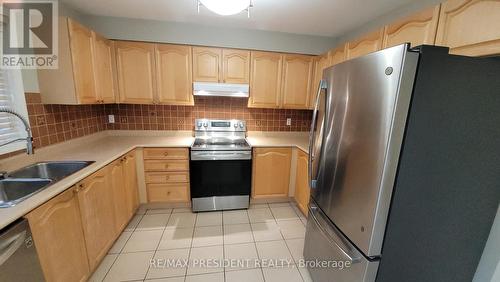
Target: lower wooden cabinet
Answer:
pixel 120 200
pixel 59 240
pixel 302 190
pixel 271 172
pixel 130 179
pixel 167 174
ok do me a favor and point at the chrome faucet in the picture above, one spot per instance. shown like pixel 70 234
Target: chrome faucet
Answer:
pixel 28 139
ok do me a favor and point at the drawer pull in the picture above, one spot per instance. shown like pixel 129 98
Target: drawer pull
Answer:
pixel 167 177
pixel 165 154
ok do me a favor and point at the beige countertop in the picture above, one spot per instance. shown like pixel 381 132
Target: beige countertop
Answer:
pixel 104 147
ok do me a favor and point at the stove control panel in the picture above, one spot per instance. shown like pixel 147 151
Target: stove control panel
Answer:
pixel 220 125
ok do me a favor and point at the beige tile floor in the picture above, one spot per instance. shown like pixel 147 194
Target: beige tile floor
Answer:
pixel 264 232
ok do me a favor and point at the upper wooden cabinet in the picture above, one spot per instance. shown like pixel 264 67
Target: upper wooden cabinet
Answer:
pixel 173 69
pixel 265 79
pixel 369 43
pixel 105 69
pixel 470 27
pixel 95 198
pixel 57 231
pixel 320 63
pixel 302 190
pixel 418 29
pixel 297 80
pixel 135 71
pixel 85 72
pixel 337 55
pixel 207 64
pixel 220 65
pixel 235 66
pixel 271 172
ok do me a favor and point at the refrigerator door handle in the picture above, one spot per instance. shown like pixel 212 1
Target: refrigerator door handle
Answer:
pixel 328 237
pixel 312 182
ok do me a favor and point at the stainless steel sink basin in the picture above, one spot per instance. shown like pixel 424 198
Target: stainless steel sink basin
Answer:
pixel 25 182
pixel 51 170
pixel 15 190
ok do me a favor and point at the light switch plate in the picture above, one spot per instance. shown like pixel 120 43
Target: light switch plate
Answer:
pixel 111 118
pixel 288 121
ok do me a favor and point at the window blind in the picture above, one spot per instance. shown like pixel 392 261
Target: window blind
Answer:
pixel 10 126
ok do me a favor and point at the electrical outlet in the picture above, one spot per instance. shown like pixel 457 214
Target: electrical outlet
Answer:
pixel 111 118
pixel 288 121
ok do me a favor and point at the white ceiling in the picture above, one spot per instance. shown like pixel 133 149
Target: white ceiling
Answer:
pixel 313 17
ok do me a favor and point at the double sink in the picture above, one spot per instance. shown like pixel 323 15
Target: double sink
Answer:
pixel 23 183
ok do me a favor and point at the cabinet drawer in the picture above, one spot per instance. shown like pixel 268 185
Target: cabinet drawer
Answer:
pixel 166 154
pixel 173 193
pixel 157 165
pixel 167 177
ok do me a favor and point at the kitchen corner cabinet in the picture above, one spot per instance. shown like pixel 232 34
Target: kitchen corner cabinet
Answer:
pixel 95 198
pixel 297 80
pixel 271 172
pixel 368 43
pixel 174 85
pixel 470 27
pixel 418 29
pixel 57 231
pixel 220 65
pixel 135 72
pixel 131 186
pixel 85 72
pixel 265 79
pixel 117 181
pixel 302 190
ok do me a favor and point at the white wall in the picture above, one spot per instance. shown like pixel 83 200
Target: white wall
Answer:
pixel 193 34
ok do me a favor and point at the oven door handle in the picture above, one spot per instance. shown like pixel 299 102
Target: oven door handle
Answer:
pixel 220 155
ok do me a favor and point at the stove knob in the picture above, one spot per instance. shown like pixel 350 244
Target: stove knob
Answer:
pixel 241 125
pixel 199 124
pixel 205 124
pixel 235 125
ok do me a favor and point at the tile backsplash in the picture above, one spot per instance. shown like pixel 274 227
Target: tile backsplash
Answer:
pixel 57 123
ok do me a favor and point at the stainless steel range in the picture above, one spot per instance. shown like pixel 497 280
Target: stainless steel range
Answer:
pixel 220 165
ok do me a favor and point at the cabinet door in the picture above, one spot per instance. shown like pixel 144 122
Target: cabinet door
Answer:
pixel 236 66
pixel 95 197
pixel 367 44
pixel 271 172
pixel 470 27
pixel 337 55
pixel 135 69
pixel 104 69
pixel 116 174
pixel 302 191
pixel 173 69
pixel 83 62
pixel 57 231
pixel 265 79
pixel 130 173
pixel 206 64
pixel 321 63
pixel 296 86
pixel 418 29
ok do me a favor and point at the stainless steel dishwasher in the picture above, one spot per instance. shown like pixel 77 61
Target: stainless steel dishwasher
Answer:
pixel 18 256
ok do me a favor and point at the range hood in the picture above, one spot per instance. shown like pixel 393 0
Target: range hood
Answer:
pixel 220 89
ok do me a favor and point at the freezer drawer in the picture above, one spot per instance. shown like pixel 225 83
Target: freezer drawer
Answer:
pixel 325 244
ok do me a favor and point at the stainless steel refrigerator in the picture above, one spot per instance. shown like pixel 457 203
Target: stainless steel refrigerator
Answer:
pixel 403 167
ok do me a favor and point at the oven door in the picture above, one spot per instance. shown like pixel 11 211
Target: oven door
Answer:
pixel 220 180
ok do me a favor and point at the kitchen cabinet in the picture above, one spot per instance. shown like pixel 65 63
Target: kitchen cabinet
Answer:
pixel 271 172
pixel 135 72
pixel 104 69
pixel 167 174
pixel 418 29
pixel 57 231
pixel 368 43
pixel 337 55
pixel 297 80
pixel 95 198
pixel 131 186
pixel 265 79
pixel 321 63
pixel 206 64
pixel 173 69
pixel 302 190
pixel 235 66
pixel 470 27
pixel 117 179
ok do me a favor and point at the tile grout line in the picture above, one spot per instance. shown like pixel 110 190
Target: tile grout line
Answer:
pixel 255 244
pixel 159 241
pixel 190 246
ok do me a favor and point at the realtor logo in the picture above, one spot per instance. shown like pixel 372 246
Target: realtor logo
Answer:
pixel 29 34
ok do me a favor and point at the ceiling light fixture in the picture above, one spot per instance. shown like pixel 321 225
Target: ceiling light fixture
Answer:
pixel 226 7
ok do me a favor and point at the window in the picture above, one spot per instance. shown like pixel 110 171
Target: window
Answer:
pixel 12 97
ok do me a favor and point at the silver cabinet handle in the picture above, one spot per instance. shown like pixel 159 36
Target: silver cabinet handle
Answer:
pixel 322 86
